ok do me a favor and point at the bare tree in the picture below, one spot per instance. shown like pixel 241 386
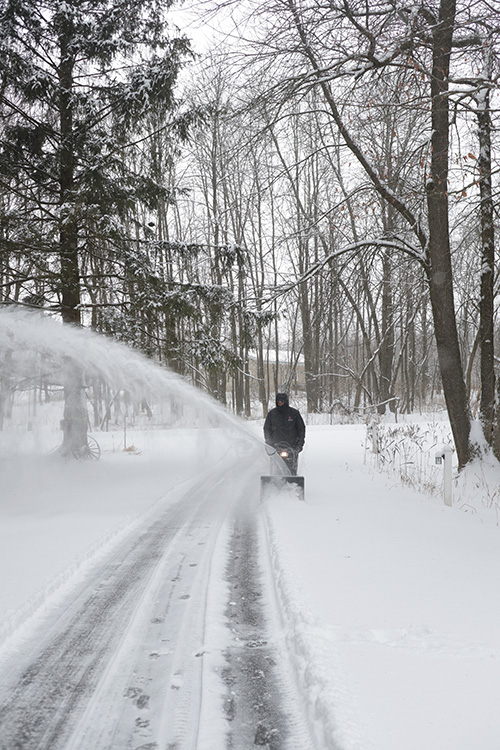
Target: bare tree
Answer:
pixel 338 48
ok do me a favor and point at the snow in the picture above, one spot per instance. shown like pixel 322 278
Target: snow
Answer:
pixel 56 517
pixel 388 598
pixel 391 599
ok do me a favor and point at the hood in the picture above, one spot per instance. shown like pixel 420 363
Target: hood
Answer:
pixel 282 397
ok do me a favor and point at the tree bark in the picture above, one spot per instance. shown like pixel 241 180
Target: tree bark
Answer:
pixel 386 346
pixel 486 303
pixel 68 230
pixel 75 411
pixel 440 273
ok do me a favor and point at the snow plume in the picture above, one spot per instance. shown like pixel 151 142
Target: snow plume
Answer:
pixel 34 346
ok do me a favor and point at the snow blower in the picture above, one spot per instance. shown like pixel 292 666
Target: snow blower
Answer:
pixel 284 460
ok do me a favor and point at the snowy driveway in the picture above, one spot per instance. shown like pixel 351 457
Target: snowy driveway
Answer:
pixel 177 612
pixel 164 644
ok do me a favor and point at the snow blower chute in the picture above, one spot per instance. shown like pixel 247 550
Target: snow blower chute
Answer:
pixel 284 461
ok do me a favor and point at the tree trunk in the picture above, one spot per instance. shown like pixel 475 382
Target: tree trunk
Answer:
pixel 68 231
pixel 75 422
pixel 486 303
pixel 386 347
pixel 440 273
pixel 75 412
pixel 260 372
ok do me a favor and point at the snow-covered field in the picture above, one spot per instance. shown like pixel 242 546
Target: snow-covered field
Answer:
pixel 388 598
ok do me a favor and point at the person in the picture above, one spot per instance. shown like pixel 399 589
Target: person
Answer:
pixel 285 425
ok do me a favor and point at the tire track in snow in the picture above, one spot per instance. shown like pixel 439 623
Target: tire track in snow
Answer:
pixel 158 667
pixel 50 698
pixel 128 663
pixel 262 705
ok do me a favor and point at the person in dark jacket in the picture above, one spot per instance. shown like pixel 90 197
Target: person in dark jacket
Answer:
pixel 285 425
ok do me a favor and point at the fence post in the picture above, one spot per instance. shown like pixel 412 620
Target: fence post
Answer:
pixel 373 431
pixel 444 456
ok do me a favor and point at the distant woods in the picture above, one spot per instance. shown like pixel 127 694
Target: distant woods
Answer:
pixel 316 208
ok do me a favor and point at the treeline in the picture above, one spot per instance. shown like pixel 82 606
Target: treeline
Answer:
pixel 323 197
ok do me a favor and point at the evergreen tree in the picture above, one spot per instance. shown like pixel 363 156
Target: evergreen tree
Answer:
pixel 78 79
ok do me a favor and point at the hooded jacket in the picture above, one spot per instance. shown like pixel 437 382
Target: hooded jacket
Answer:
pixel 284 425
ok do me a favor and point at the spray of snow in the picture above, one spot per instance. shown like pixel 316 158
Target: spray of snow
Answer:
pixel 34 345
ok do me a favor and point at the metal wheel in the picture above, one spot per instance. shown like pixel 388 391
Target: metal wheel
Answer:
pixel 91 451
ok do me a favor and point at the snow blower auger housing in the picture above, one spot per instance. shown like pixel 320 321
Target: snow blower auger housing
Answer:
pixel 284 461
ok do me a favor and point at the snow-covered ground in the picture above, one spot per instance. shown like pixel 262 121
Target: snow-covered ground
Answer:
pixel 388 598
pixel 391 604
